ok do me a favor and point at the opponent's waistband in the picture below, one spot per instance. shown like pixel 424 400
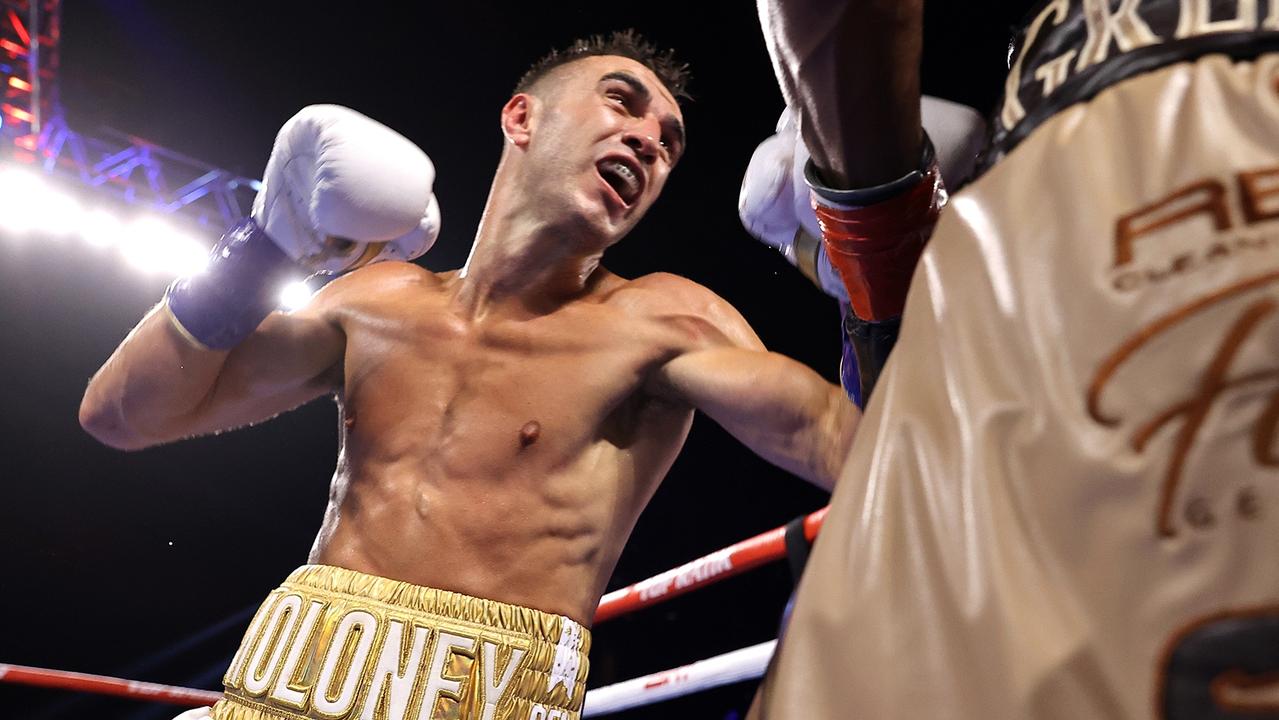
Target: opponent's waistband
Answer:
pixel 1068 51
pixel 334 643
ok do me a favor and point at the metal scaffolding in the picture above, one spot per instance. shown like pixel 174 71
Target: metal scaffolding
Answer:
pixel 34 131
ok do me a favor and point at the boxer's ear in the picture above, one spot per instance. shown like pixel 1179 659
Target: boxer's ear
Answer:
pixel 517 119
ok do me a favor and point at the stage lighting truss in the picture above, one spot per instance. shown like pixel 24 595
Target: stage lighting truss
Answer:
pixel 34 132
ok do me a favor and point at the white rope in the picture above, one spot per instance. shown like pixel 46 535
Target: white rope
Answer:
pixel 745 664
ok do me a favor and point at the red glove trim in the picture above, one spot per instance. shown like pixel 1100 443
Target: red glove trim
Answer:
pixel 875 248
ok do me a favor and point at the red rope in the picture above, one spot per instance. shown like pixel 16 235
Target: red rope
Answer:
pixel 732 560
pixel 103 685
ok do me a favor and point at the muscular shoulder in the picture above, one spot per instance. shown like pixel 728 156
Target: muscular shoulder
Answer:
pixel 687 306
pixel 374 286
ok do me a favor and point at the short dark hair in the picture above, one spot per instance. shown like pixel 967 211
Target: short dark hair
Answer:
pixel 625 43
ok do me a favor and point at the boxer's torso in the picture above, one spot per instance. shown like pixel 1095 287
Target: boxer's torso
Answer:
pixel 505 457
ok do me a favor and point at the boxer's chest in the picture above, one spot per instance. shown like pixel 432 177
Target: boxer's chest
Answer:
pixel 478 394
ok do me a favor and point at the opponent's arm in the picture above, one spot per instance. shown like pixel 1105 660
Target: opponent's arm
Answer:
pixel 340 191
pixel 779 408
pixel 851 69
pixel 776 206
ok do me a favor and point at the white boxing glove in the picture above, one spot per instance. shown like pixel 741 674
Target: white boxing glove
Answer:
pixel 958 133
pixel 775 204
pixel 342 190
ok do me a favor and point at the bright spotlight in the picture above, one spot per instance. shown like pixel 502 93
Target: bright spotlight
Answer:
pixel 57 213
pixel 20 191
pixel 153 246
pixel 295 296
pixel 28 203
pixel 101 229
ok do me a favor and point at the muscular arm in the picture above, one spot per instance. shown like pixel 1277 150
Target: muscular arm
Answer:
pixel 851 68
pixel 158 386
pixel 779 408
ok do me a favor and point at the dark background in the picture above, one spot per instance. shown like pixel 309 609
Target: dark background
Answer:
pixel 145 564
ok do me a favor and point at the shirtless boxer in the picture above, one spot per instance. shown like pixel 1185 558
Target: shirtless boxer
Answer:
pixel 505 424
pixel 1062 504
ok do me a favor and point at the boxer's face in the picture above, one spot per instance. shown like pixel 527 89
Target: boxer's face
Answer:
pixel 607 135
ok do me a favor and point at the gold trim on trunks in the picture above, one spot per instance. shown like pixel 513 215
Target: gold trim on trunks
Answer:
pixel 332 643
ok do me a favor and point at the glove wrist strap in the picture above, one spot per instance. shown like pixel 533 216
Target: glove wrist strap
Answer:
pixel 223 304
pixel 875 247
pixel 862 197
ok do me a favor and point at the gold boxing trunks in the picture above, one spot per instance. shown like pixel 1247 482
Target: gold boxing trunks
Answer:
pixel 333 643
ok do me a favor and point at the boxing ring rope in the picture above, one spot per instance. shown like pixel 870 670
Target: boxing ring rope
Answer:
pixel 747 663
pixel 707 570
pixel 743 664
pixel 104 685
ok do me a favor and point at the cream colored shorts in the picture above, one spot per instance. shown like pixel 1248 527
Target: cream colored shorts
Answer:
pixel 1064 498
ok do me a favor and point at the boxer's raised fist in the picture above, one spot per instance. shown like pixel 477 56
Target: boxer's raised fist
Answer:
pixel 341 190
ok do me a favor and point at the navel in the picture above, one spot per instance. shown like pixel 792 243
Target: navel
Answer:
pixel 529 434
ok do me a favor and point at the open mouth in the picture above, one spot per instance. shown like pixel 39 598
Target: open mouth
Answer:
pixel 623 178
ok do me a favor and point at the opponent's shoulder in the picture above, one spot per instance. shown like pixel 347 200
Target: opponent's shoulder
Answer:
pixel 686 305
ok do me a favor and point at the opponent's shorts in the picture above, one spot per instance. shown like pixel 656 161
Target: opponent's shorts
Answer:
pixel 1063 501
pixel 333 643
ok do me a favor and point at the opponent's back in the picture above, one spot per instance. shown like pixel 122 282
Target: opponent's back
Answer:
pixel 1063 501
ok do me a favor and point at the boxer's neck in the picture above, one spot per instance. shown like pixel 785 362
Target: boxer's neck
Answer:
pixel 523 259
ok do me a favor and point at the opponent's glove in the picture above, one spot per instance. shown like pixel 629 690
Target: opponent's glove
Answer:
pixel 958 133
pixel 874 237
pixel 775 204
pixel 340 191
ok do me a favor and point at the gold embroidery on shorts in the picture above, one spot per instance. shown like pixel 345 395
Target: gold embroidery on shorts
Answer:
pixel 1202 197
pixel 263 664
pixel 1206 390
pixel 289 688
pixel 333 643
pixel 1189 249
pixel 1255 188
pixel 252 637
